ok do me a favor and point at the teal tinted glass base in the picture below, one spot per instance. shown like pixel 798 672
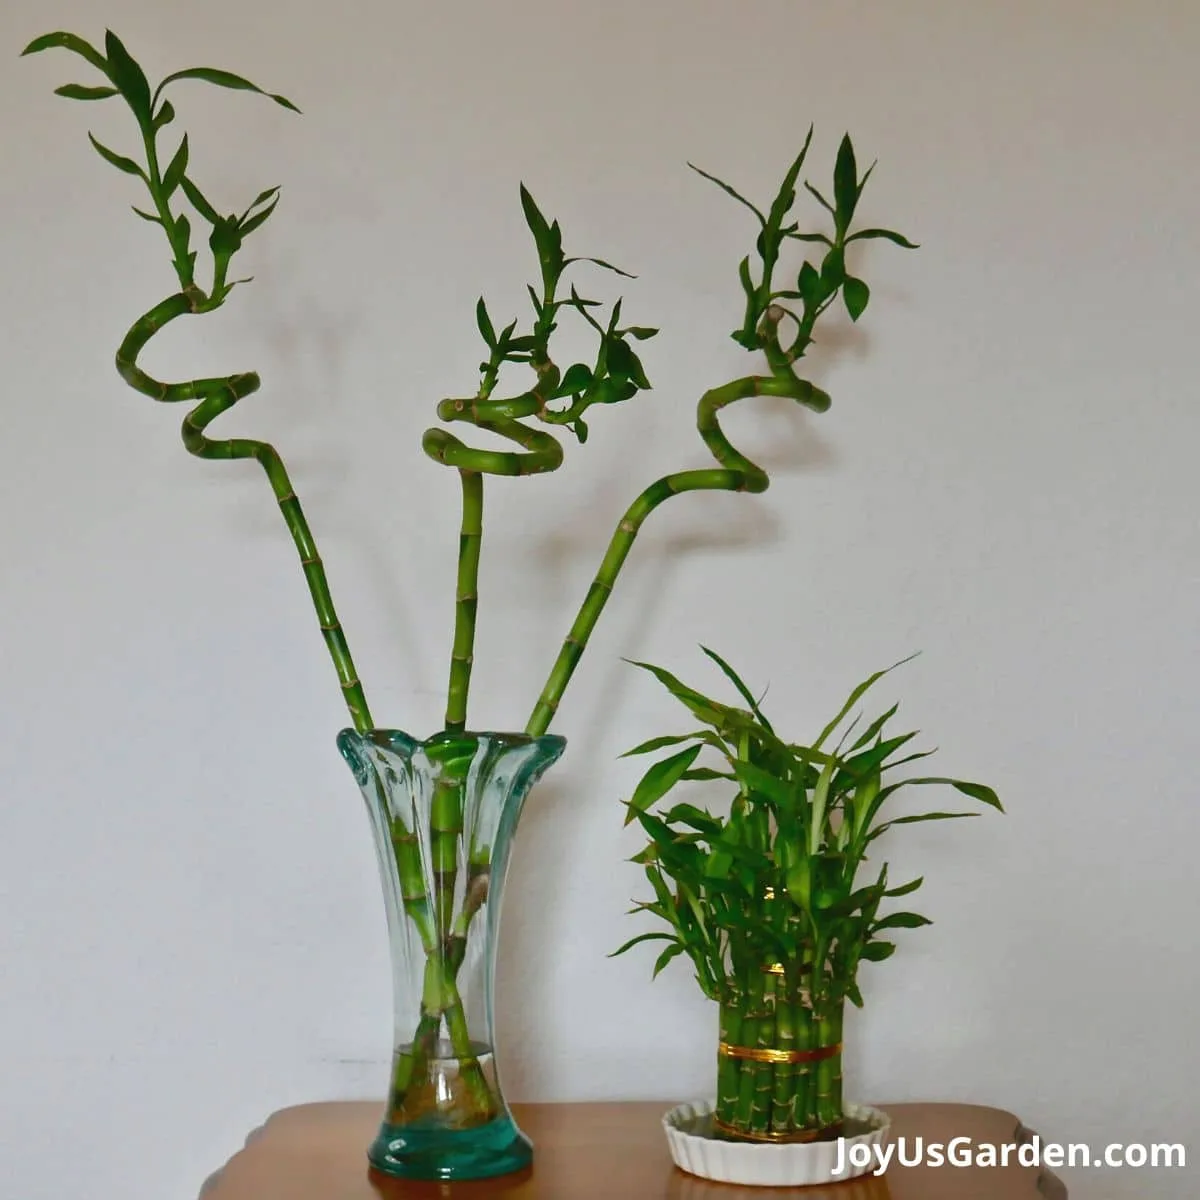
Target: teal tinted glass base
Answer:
pixel 408 1152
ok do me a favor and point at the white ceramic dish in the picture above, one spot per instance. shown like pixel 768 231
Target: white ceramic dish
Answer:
pixel 767 1164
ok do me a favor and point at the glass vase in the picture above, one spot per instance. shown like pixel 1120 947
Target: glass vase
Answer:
pixel 443 813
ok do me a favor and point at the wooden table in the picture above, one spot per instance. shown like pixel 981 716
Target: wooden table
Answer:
pixel 604 1152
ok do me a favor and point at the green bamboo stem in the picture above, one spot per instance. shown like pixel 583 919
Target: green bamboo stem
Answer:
pixel 829 1071
pixel 215 396
pixel 466 600
pixel 764 1072
pixel 737 473
pixel 785 1073
pixel 803 1088
pixel 727 1066
pixel 744 1112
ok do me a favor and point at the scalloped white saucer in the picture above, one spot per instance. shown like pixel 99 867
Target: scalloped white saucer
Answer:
pixel 768 1164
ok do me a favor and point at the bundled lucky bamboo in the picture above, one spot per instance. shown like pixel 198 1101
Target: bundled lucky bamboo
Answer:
pixel 766 899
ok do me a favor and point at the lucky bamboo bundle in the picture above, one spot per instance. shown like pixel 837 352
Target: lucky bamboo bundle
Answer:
pixel 766 902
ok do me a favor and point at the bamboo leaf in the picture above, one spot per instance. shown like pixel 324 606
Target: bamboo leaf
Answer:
pixel 576 378
pixel 880 830
pixel 198 202
pixel 746 279
pixel 665 957
pixel 977 791
pixel 809 237
pixel 225 79
pixel 77 91
pixel 486 329
pixel 820 797
pixel 857 695
pixel 547 238
pixel 821 199
pixel 661 891
pixel 845 183
pixel 165 115
pixel 875 727
pixel 659 780
pixel 118 160
pixel 658 743
pixel 905 888
pixel 742 689
pixel 887 234
pixel 865 762
pixel 641 332
pixel 855 295
pixel 809 283
pixel 174 172
pixel 730 191
pixel 695 818
pixel 786 196
pixel 68 41
pixel 709 711
pixel 901 920
pixel 247 227
pixel 226 238
pixel 147 216
pixel 599 262
pixel 643 937
pixel 129 77
pixel 833 270
pixel 878 951
pixel 755 779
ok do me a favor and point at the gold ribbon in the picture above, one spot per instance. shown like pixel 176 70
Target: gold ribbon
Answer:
pixel 764 1054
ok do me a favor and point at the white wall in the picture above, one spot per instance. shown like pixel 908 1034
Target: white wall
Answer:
pixel 190 928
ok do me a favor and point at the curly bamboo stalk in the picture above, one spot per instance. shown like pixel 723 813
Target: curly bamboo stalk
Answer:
pixel 736 474
pixel 214 397
pixel 540 452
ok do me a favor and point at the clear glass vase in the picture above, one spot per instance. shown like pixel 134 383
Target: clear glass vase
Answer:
pixel 444 812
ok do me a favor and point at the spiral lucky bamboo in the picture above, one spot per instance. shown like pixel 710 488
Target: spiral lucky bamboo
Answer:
pixel 778 323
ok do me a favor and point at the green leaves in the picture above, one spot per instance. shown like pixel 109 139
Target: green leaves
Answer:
pixel 846 188
pixel 855 294
pixel 224 79
pixel 886 234
pixel 68 41
pixel 659 780
pixel 173 175
pixel 77 91
pixel 117 160
pixel 774 879
pixel 547 237
pixel 128 77
pixel 198 201
pixel 729 191
pixel 484 322
pixel 901 920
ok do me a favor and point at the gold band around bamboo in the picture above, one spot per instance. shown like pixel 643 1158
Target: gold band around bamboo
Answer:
pixel 765 1054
